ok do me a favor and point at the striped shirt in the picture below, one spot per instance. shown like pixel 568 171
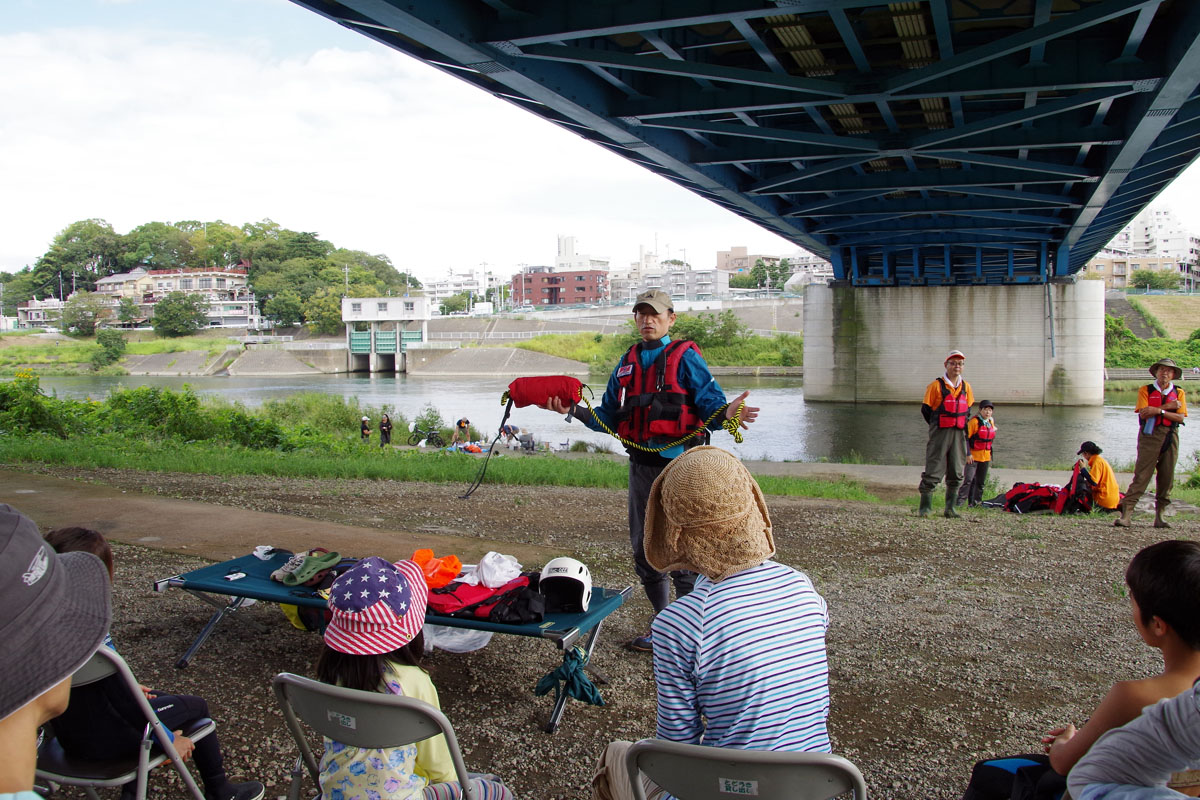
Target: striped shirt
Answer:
pixel 741 663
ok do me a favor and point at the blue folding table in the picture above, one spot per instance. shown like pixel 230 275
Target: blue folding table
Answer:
pixel 217 586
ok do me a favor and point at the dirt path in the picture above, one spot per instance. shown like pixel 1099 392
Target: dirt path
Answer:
pixel 950 640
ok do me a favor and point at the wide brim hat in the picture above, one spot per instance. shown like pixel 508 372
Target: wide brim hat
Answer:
pixel 707 514
pixel 376 607
pixel 313 563
pixel 1166 362
pixel 56 611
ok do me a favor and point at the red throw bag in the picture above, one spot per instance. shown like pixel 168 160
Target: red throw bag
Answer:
pixel 536 391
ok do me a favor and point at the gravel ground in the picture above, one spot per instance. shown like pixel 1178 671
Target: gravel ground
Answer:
pixel 950 640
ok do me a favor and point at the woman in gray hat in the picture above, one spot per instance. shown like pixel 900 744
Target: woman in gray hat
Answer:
pixel 1161 409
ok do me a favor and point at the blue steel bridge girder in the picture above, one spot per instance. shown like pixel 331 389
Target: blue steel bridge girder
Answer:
pixel 934 142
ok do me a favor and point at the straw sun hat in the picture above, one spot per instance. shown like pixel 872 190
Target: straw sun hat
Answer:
pixel 707 514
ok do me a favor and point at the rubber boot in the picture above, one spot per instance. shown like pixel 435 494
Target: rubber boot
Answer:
pixel 926 504
pixel 1159 522
pixel 951 499
pixel 1126 518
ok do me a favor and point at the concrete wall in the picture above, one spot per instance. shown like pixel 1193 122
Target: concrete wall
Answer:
pixel 886 344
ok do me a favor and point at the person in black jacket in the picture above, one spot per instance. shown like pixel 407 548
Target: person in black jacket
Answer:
pixel 103 720
pixel 385 431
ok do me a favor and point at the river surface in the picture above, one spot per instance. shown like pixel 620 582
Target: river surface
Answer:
pixel 788 428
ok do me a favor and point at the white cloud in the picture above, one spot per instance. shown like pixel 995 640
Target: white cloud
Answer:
pixel 369 148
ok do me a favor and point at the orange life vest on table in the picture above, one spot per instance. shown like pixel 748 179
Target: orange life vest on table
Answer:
pixel 952 413
pixel 982 439
pixel 1155 397
pixel 653 402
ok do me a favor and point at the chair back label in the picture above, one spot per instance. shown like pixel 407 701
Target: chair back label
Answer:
pixel 738 787
pixel 345 720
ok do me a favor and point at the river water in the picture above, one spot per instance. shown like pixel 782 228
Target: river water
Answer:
pixel 788 429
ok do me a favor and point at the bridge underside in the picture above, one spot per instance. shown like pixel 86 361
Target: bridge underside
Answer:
pixel 928 142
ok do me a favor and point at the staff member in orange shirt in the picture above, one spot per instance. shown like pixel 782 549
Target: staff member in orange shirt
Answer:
pixel 1106 494
pixel 947 401
pixel 981 432
pixel 1161 409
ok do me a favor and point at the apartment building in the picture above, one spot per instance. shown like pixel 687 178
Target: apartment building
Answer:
pixel 547 286
pixel 225 290
pixel 39 313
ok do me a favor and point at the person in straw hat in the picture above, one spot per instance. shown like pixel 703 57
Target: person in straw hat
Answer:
pixel 374 643
pixel 56 613
pixel 722 680
pixel 947 401
pixel 1161 409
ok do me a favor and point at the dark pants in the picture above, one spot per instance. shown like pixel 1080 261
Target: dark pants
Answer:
pixel 974 478
pixel 178 710
pixel 1026 777
pixel 945 454
pixel 641 478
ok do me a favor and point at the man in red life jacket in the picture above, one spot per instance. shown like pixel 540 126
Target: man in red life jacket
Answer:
pixel 660 392
pixel 1161 409
pixel 947 402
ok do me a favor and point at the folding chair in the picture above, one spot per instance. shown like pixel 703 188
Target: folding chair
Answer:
pixel 358 719
pixel 696 772
pixel 56 767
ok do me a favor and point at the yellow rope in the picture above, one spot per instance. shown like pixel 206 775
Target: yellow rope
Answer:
pixel 732 425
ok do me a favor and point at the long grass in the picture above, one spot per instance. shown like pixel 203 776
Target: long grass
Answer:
pixel 365 462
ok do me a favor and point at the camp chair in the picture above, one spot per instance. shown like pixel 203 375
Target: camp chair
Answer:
pixel 358 719
pixel 55 766
pixel 696 772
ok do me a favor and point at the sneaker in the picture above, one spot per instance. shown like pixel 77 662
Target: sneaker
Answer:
pixel 641 644
pixel 294 563
pixel 250 790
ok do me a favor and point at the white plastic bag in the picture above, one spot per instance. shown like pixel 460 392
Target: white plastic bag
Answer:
pixel 455 640
pixel 493 571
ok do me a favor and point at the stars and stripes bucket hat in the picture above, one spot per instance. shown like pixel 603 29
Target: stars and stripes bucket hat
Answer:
pixel 376 607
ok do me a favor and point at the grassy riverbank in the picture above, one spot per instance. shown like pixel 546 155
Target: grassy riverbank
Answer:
pixel 60 355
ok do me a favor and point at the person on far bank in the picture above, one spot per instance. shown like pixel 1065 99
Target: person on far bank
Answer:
pixel 1161 409
pixel 365 429
pixel 462 431
pixel 981 432
pixel 1106 494
pixel 947 402
pixel 385 431
pixel 660 392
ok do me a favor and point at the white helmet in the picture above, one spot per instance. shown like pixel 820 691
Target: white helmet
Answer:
pixel 566 585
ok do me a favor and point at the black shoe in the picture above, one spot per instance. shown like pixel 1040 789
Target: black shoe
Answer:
pixel 641 644
pixel 250 790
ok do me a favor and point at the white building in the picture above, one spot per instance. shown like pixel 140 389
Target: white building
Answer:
pixel 474 282
pixel 39 313
pixel 569 260
pixel 1157 232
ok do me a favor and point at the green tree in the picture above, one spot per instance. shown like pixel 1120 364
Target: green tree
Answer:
pixel 284 309
pixel 742 281
pixel 323 312
pixel 179 314
pixel 83 312
pixel 81 252
pixel 160 245
pixel 454 303
pixel 112 347
pixel 1154 279
pixel 127 310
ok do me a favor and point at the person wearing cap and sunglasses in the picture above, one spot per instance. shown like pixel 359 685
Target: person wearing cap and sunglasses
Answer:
pixel 1161 409
pixel 1106 494
pixel 740 662
pixel 56 613
pixel 945 406
pixel 661 392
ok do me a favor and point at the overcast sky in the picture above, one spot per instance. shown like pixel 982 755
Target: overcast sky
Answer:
pixel 141 110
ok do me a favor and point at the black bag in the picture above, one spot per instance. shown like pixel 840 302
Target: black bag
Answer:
pixel 519 607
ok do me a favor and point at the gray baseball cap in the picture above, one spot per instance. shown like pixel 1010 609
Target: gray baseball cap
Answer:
pixel 56 611
pixel 657 299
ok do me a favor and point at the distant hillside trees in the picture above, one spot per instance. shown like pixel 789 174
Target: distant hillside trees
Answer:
pixel 179 314
pixel 279 261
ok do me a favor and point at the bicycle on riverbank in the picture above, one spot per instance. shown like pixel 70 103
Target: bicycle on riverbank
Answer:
pixel 431 437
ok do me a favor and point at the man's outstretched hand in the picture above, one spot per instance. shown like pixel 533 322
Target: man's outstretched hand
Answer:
pixel 557 405
pixel 749 413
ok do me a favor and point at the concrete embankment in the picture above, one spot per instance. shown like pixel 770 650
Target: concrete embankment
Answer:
pixel 188 362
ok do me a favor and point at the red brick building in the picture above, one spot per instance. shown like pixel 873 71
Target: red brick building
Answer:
pixel 543 286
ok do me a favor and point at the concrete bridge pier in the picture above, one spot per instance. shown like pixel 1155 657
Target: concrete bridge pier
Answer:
pixel 1027 344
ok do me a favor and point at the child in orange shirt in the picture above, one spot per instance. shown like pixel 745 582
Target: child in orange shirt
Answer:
pixel 981 430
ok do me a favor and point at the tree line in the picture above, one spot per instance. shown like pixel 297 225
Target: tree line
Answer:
pixel 296 275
